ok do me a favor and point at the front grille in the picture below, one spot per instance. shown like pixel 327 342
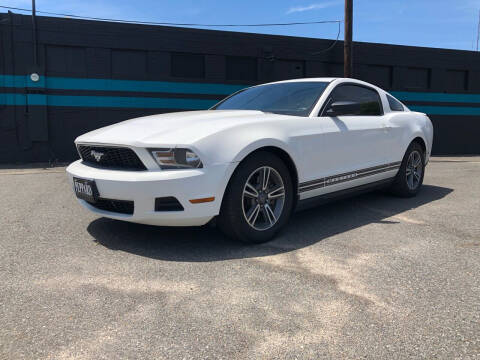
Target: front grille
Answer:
pixel 117 206
pixel 111 157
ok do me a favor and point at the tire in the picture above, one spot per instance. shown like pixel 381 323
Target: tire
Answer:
pixel 409 180
pixel 252 212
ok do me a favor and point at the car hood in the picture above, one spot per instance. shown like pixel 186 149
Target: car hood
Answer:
pixel 174 128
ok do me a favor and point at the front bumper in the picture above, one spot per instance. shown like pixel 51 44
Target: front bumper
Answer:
pixel 142 187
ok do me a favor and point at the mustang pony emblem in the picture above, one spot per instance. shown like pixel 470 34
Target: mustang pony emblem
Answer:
pixel 97 155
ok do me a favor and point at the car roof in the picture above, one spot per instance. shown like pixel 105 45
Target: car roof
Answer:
pixel 319 79
pixel 337 80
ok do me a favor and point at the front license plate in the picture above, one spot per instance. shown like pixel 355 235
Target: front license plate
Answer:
pixel 85 189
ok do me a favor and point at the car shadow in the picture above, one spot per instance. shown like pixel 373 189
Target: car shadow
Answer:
pixel 198 244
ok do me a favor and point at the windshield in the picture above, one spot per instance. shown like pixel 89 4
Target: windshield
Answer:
pixel 291 98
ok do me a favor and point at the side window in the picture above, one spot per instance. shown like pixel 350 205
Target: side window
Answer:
pixel 365 101
pixel 394 104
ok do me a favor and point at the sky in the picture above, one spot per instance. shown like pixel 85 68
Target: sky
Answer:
pixel 450 24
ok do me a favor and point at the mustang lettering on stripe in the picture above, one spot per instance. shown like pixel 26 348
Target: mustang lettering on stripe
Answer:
pixel 336 179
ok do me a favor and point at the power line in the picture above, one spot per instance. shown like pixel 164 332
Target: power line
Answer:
pixel 172 23
pixel 333 43
pixel 194 24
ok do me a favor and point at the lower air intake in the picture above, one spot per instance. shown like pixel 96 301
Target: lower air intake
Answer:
pixel 115 206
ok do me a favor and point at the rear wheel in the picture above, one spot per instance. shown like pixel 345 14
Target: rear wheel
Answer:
pixel 409 178
pixel 259 199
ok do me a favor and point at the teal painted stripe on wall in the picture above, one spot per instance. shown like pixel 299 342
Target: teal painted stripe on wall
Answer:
pixel 13 81
pixel 445 110
pixel 62 83
pixel 21 81
pixel 119 85
pixel 13 99
pixel 129 102
pixel 106 101
pixel 441 97
pixel 141 86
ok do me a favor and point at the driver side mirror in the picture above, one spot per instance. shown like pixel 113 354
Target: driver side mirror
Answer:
pixel 343 108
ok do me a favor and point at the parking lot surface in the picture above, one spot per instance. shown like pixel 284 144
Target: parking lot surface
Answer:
pixel 368 277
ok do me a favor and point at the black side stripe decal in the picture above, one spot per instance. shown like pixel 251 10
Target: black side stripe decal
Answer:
pixel 340 178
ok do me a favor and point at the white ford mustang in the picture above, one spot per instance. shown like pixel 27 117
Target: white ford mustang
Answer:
pixel 254 157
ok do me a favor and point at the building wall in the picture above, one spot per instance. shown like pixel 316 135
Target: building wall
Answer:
pixel 94 74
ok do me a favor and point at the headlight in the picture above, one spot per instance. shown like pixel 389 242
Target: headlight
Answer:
pixel 176 158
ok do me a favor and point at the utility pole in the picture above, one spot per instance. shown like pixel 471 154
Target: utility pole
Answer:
pixel 478 30
pixel 34 33
pixel 347 43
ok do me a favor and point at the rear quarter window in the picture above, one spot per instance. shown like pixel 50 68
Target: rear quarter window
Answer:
pixel 394 104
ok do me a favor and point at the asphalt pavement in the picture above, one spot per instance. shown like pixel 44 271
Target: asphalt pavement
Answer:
pixel 373 277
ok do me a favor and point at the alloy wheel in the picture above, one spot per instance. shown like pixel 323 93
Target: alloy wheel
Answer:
pixel 263 198
pixel 414 170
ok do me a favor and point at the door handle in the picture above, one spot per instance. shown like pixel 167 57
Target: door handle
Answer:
pixel 386 127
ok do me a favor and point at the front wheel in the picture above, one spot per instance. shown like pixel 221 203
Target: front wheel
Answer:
pixel 258 200
pixel 409 178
